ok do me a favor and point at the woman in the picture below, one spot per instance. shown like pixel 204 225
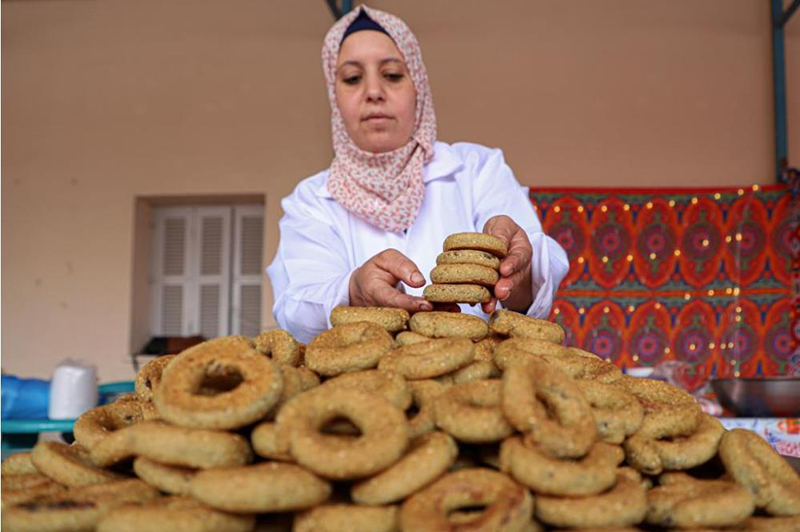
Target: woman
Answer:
pixel 362 232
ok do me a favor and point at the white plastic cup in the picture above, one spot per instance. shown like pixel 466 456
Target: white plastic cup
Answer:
pixel 73 390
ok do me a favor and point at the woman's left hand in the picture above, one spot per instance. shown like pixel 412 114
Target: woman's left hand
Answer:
pixel 514 287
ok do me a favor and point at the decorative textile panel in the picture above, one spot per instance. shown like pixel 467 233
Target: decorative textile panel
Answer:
pixel 703 276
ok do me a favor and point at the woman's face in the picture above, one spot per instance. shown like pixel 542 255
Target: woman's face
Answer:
pixel 374 92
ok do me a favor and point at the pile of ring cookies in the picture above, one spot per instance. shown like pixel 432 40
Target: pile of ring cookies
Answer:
pixel 467 269
pixel 389 422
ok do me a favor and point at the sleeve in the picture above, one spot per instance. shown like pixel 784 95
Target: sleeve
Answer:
pixel 496 191
pixel 310 274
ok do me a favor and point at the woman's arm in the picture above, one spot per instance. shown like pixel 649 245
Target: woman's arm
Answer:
pixel 536 263
pixel 311 271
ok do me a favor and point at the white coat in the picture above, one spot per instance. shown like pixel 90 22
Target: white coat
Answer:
pixel 322 243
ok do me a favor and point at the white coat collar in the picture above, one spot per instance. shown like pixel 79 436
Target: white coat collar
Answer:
pixel 444 163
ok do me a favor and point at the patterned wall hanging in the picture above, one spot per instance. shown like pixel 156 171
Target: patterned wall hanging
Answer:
pixel 704 276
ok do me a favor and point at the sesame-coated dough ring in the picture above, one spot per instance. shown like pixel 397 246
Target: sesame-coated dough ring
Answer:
pixel 476 241
pixel 617 413
pixel 198 448
pixel 268 443
pixel 392 319
pixel 386 383
pixel 668 410
pixel 408 338
pixel 754 464
pixel 264 487
pixel 699 503
pixel 70 465
pixel 293 384
pixel 96 424
pixel 519 325
pixel 219 384
pixel 308 378
pixel 278 345
pixel 175 514
pixel 339 517
pixel 383 426
pixel 471 412
pixel 23 481
pixel 508 506
pixel 476 371
pixel 424 394
pixel 576 363
pixel 456 293
pixel 547 475
pixel 77 509
pixel 349 347
pixel 469 256
pixel 484 349
pixel 429 359
pixel 438 324
pixel 543 402
pixel 624 504
pixel 464 274
pixel 167 478
pixel 18 464
pixel 652 456
pixel 13 496
pixel 149 377
pixel 428 457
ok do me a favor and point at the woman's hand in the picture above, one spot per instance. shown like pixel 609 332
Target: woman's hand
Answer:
pixel 514 288
pixel 374 284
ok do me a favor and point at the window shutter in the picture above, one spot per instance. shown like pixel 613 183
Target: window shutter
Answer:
pixel 247 269
pixel 213 271
pixel 170 268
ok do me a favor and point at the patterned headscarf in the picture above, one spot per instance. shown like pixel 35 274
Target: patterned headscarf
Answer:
pixel 385 189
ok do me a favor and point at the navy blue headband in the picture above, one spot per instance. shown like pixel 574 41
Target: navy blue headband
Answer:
pixel 361 23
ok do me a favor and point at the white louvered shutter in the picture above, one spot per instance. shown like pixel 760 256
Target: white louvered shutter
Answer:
pixel 171 276
pixel 212 287
pixel 248 245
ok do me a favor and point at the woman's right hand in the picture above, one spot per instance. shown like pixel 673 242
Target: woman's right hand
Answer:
pixel 375 283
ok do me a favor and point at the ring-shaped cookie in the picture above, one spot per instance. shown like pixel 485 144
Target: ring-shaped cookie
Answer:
pixel 383 426
pixel 428 457
pixel 519 325
pixel 429 359
pixel 279 345
pixel 508 506
pixel 549 407
pixel 471 412
pixel 392 319
pixel 219 384
pixel 548 475
pixel 438 324
pixel 349 347
pixel 476 241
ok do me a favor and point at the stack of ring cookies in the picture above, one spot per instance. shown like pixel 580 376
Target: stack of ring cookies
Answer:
pixel 390 423
pixel 467 269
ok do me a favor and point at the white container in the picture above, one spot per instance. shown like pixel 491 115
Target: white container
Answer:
pixel 73 389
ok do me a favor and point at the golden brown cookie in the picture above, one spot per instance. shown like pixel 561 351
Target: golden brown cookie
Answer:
pixel 456 293
pixel 464 274
pixel 446 324
pixel 477 241
pixel 469 256
pixel 391 319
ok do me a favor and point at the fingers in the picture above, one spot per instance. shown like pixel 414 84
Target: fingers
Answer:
pixel 400 266
pixel 388 296
pixel 489 307
pixel 501 226
pixel 504 287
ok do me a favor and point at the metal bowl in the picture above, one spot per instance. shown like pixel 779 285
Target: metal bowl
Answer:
pixel 759 397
